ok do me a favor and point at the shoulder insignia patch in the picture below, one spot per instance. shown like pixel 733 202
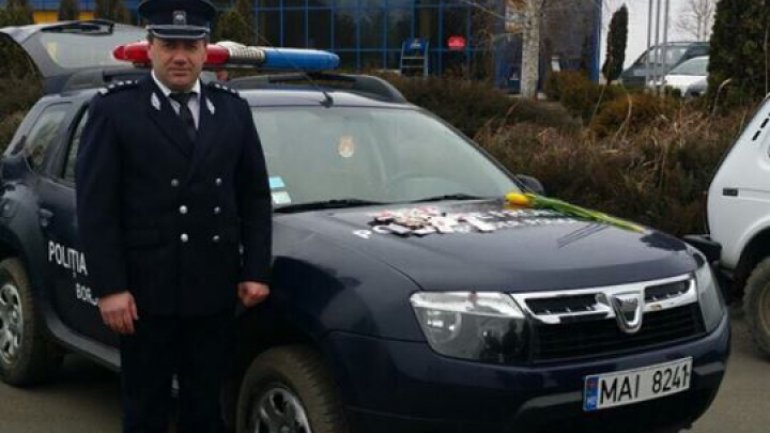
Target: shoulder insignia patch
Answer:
pixel 117 86
pixel 222 88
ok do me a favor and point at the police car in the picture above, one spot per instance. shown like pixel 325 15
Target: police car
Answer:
pixel 408 294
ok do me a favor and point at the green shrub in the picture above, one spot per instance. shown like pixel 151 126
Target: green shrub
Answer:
pixel 18 94
pixel 579 95
pixel 470 105
pixel 8 126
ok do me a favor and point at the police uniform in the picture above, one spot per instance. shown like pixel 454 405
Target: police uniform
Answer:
pixel 176 219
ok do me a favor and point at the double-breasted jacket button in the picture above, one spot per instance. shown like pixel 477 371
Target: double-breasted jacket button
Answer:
pixel 174 183
pixel 215 239
pixel 184 238
pixel 218 181
pixel 217 210
pixel 183 209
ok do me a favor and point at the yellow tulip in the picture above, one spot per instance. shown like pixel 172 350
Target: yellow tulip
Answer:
pixel 519 199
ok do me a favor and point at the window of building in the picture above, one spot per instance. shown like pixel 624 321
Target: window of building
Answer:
pixel 319 29
pixel 294 28
pixel 372 28
pixel 345 31
pixel 399 27
pixel 269 27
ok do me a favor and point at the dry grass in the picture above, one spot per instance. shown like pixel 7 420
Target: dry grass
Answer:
pixel 657 175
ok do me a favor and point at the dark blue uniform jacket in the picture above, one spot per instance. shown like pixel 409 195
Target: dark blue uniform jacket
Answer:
pixel 176 224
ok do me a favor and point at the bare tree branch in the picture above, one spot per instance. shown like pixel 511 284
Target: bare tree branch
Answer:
pixel 696 18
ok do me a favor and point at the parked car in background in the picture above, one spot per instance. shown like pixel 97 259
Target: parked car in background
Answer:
pixel 675 52
pixel 697 89
pixel 687 73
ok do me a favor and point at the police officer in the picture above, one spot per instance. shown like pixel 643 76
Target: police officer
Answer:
pixel 174 218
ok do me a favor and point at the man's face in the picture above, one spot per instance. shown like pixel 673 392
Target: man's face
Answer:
pixel 177 62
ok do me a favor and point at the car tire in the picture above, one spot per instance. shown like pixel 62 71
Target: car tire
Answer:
pixel 756 305
pixel 27 356
pixel 289 386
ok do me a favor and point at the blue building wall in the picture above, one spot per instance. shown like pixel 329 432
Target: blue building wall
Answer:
pixel 368 34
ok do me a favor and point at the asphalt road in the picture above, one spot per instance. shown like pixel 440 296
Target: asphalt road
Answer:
pixel 85 398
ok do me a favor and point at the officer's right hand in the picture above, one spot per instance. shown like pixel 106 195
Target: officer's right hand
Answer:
pixel 119 312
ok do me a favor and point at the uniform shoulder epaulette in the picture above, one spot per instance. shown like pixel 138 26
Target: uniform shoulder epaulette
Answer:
pixel 222 88
pixel 118 86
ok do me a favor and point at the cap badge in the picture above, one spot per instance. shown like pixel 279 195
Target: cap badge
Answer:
pixel 180 18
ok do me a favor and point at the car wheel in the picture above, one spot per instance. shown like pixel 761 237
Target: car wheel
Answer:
pixel 26 355
pixel 289 389
pixel 756 305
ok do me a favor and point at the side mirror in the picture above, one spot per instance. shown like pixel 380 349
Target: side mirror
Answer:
pixel 531 184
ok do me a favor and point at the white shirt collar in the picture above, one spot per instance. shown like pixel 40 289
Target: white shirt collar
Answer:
pixel 166 91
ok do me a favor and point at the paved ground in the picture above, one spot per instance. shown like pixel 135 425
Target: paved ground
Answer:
pixel 85 398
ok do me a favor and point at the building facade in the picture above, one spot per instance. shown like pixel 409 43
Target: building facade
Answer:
pixel 467 37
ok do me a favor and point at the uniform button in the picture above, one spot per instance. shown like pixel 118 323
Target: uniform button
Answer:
pixel 218 181
pixel 215 238
pixel 183 209
pixel 174 183
pixel 217 210
pixel 184 238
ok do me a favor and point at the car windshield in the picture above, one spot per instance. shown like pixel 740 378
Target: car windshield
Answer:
pixel 673 55
pixel 77 50
pixel 371 155
pixel 697 67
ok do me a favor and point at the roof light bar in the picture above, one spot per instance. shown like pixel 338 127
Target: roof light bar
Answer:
pixel 230 54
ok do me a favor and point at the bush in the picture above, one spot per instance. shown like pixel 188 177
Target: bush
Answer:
pixel 657 176
pixel 579 95
pixel 470 105
pixel 633 112
pixel 8 126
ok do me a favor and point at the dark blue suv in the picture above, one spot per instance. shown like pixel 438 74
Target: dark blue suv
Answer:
pixel 408 294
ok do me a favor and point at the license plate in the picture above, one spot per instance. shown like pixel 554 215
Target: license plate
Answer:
pixel 603 391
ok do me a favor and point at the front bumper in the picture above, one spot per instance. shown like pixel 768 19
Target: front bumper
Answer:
pixel 399 386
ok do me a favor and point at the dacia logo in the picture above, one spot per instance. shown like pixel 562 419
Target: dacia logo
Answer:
pixel 628 308
pixel 180 18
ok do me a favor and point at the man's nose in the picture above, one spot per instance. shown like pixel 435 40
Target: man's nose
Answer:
pixel 178 57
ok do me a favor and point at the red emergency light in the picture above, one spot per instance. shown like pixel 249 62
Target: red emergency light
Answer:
pixel 231 54
pixel 137 53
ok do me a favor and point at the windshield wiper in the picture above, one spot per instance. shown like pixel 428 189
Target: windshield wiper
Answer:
pixel 326 204
pixel 457 196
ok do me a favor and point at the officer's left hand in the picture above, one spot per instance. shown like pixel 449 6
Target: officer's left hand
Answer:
pixel 252 293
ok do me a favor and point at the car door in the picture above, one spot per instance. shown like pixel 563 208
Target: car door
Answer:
pixel 73 299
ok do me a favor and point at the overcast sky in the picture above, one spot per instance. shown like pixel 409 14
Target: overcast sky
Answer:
pixel 637 24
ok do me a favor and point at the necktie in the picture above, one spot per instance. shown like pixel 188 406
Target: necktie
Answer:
pixel 185 114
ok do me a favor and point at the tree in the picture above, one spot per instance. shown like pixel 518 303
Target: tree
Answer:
pixel 236 24
pixel 739 49
pixel 112 10
pixel 617 39
pixel 18 13
pixel 530 56
pixel 696 18
pixel 68 10
pixel 231 26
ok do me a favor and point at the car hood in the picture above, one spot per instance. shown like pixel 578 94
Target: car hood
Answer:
pixel 682 82
pixel 530 250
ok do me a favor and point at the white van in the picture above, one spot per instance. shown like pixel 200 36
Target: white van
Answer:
pixel 739 220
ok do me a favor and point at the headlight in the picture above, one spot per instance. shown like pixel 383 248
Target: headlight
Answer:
pixel 711 303
pixel 486 327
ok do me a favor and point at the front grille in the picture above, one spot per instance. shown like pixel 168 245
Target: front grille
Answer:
pixel 562 304
pixel 551 342
pixel 665 291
